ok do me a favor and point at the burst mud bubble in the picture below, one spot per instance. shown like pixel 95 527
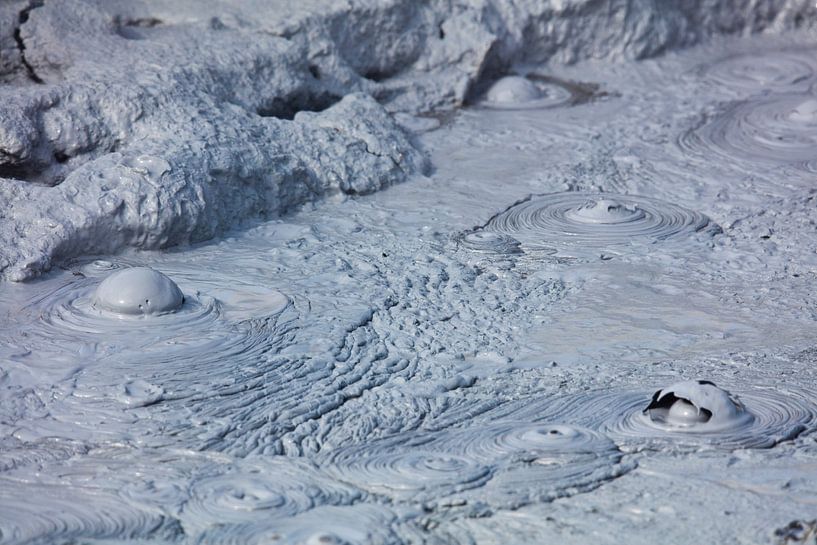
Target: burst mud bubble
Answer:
pixel 700 414
pixel 695 406
pixel 685 416
pixel 138 291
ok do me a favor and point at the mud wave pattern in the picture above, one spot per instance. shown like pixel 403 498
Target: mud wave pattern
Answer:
pixel 748 418
pixel 780 130
pixel 323 525
pixel 538 462
pixel 404 471
pixel 70 314
pixel 488 242
pixel 273 488
pixel 64 515
pixel 752 73
pixel 596 220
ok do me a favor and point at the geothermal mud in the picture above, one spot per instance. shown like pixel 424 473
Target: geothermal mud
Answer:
pixel 587 313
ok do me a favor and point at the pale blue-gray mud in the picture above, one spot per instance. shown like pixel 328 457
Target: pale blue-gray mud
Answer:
pixel 322 273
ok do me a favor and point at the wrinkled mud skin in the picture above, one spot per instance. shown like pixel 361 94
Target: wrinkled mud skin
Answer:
pixel 385 309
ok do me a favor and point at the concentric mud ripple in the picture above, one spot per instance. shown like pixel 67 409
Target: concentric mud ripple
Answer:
pixel 163 495
pixel 752 73
pixel 76 499
pixel 488 242
pixel 510 441
pixel 325 525
pixel 766 418
pixel 537 462
pixel 503 464
pixel 775 131
pixel 596 220
pixel 401 470
pixel 67 315
pixel 275 487
pixel 64 517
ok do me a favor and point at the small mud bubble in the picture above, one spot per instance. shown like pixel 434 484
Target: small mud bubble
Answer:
pixel 513 90
pixel 684 413
pixel 138 291
pixel 521 93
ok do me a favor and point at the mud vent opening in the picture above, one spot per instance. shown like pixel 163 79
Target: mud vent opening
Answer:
pixel 286 108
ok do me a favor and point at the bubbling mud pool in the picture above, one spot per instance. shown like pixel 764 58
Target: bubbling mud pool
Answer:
pixel 377 369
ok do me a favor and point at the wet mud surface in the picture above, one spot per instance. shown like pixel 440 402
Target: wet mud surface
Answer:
pixel 507 350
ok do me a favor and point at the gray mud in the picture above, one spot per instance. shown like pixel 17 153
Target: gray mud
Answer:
pixel 465 357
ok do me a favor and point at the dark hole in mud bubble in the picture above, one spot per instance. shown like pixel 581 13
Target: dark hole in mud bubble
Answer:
pixel 692 403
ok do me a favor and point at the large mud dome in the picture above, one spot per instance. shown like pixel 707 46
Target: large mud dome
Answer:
pixel 404 272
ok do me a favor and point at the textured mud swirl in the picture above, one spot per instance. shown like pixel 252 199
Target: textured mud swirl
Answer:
pixel 766 417
pixel 79 505
pixel 538 462
pixel 167 496
pixel 274 487
pixel 68 314
pixel 172 353
pixel 505 464
pixel 596 220
pixel 773 132
pixel 402 470
pixel 323 525
pixel 488 242
pixel 755 73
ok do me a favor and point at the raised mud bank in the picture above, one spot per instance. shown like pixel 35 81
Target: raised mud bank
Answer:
pixel 151 124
